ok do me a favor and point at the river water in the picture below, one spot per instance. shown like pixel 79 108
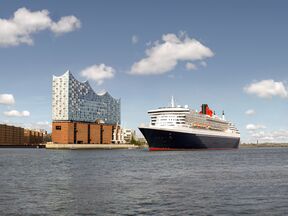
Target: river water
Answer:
pixel 139 182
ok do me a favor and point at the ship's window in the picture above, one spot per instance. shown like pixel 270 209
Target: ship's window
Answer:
pixel 58 127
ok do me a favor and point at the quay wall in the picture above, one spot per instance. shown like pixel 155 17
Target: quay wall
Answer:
pixel 90 146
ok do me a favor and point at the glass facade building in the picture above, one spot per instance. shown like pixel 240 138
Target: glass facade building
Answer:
pixel 76 101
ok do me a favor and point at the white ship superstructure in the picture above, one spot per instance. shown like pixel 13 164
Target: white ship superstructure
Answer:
pixel 182 117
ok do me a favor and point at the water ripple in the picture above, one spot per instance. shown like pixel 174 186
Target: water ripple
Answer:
pixel 138 182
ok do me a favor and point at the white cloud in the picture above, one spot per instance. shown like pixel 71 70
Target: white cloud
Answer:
pixel 135 39
pixel 203 63
pixel 250 112
pixel 267 89
pixel 30 125
pixel 15 113
pixel 190 66
pixel 43 125
pixel 276 136
pixel 7 99
pixel 254 127
pixel 19 29
pixel 163 57
pixel 101 92
pixel 66 24
pixel 98 73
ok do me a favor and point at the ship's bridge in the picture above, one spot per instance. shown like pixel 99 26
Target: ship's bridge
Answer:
pixel 168 116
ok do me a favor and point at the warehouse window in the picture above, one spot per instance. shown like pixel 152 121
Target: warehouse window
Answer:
pixel 58 127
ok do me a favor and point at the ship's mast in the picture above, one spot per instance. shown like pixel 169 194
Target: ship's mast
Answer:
pixel 172 102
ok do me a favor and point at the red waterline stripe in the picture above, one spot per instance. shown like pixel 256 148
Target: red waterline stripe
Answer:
pixel 179 149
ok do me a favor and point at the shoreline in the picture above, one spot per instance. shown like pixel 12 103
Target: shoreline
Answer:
pixel 263 145
pixel 90 146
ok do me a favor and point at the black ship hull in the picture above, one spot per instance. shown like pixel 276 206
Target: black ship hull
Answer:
pixel 172 140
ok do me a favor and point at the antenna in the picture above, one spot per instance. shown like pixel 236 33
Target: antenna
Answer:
pixel 172 101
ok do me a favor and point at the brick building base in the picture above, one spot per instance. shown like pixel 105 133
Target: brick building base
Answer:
pixel 66 132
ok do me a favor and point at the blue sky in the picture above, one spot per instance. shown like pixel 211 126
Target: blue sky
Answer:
pixel 242 66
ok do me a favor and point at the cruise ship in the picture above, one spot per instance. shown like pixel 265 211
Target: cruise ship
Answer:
pixel 181 128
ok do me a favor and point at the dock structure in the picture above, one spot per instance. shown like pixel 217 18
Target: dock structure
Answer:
pixel 90 146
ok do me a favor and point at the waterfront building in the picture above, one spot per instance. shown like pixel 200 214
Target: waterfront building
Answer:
pixel 118 137
pixel 16 136
pixel 76 101
pixel 11 135
pixel 81 116
pixel 34 137
pixel 128 134
pixel 67 132
pixel 123 135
